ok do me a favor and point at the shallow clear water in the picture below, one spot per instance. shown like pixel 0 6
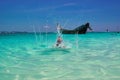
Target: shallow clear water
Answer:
pixel 93 56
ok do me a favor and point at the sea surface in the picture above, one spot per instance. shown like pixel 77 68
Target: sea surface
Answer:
pixel 91 56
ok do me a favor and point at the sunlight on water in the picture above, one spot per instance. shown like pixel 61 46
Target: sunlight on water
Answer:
pixel 96 57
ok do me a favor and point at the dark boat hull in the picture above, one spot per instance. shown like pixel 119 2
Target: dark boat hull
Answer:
pixel 79 30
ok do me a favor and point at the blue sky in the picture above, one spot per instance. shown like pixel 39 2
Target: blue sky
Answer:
pixel 22 15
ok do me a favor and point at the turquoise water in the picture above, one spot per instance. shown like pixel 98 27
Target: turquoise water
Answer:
pixel 93 56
